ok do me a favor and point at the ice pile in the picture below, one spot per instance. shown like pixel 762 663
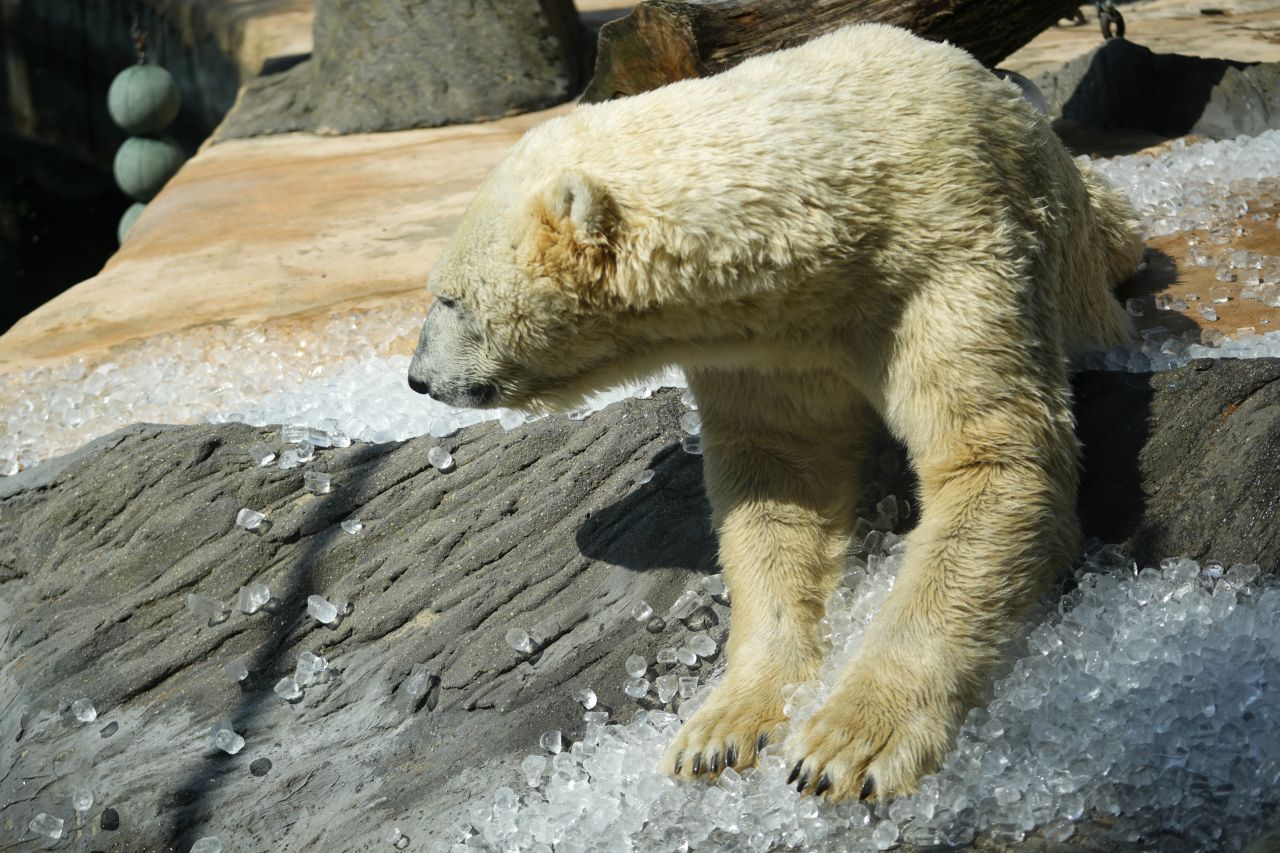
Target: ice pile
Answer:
pixel 1199 186
pixel 1146 697
pixel 1159 350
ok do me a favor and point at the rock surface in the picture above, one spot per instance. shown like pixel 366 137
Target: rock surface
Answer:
pixel 393 65
pixel 542 528
pixel 1122 84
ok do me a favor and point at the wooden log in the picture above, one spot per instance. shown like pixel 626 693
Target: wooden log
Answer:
pixel 662 41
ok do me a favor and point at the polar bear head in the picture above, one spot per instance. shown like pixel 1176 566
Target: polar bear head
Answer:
pixel 526 312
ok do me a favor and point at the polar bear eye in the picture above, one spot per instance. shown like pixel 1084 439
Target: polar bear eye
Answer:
pixel 446 301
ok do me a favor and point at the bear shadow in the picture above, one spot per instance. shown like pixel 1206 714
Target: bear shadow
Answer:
pixel 666 523
pixel 1160 273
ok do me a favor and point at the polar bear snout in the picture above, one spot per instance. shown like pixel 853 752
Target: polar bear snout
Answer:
pixel 444 366
pixel 422 386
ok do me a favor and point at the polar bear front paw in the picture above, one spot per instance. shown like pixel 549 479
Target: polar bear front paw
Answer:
pixel 872 740
pixel 736 722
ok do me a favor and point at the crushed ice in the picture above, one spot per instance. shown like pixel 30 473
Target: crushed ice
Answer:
pixel 1144 697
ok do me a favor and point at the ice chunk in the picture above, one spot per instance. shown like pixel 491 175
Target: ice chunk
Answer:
pixel 287 688
pixel 636 666
pixel 667 656
pixel 644 476
pixel 353 525
pixel 692 444
pixel 713 585
pixel 290 458
pixel 82 799
pixel 691 422
pixel 551 741
pixel 1208 313
pixel 236 670
pixel 702 645
pixel 686 656
pixel 885 835
pixel 226 739
pixel 320 609
pixel 440 459
pixel 685 603
pixel 667 686
pixel 533 767
pixel 294 434
pixel 47 825
pixel 586 697
pixel 519 639
pixel 309 668
pixel 208 844
pixel 83 710
pixel 636 688
pixel 688 686
pixel 250 599
pixel 642 612
pixel 261 454
pixel 420 681
pixel 205 607
pixel 249 519
pixel 317 482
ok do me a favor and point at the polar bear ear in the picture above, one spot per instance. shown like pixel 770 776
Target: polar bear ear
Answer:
pixel 581 202
pixel 575 239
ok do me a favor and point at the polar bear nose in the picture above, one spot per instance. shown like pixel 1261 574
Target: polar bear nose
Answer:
pixel 419 385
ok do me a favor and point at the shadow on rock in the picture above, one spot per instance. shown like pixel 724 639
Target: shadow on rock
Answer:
pixel 665 523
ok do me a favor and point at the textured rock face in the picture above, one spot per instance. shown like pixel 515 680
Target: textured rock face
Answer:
pixel 1185 462
pixel 543 529
pixel 393 64
pixel 1126 85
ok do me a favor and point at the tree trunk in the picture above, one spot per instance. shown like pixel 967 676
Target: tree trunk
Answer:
pixel 662 41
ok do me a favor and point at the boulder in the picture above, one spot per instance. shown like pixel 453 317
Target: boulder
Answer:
pixel 543 529
pixel 1122 84
pixel 398 64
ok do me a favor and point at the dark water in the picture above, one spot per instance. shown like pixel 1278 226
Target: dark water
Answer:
pixel 58 216
pixel 59 205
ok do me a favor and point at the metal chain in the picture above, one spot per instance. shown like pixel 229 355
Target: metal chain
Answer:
pixel 1108 17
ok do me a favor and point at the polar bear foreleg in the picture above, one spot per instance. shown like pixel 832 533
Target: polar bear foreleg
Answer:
pixel 782 484
pixel 998 518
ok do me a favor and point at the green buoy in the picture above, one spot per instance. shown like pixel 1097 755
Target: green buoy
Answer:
pixel 143 100
pixel 143 165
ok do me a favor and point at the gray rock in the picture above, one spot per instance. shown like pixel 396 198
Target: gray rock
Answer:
pixel 396 64
pixel 1123 85
pixel 542 528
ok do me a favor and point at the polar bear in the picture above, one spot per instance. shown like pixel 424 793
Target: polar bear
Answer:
pixel 866 226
